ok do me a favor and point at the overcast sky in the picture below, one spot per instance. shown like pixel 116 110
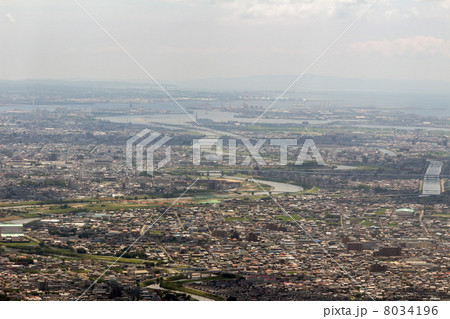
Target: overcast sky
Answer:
pixel 181 40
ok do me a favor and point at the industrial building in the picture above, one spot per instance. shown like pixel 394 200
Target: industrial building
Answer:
pixel 11 232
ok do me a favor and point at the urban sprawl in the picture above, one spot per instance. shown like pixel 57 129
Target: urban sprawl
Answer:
pixel 77 223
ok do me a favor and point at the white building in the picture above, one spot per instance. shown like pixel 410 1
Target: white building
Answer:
pixel 11 232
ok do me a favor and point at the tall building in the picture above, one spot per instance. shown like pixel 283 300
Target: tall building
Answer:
pixel 82 172
pixel 388 252
pixel 355 246
pixel 378 268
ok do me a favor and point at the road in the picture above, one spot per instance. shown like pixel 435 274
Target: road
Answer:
pixel 421 221
pixel 165 251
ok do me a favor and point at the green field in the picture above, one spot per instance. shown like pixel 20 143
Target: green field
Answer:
pixel 286 218
pixel 33 248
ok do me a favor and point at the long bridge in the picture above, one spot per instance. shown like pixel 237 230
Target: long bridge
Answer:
pixel 205 272
pixel 351 173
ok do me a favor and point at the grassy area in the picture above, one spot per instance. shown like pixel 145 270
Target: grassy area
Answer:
pixel 368 223
pixel 441 215
pixel 18 204
pixel 33 248
pixel 312 190
pixel 78 205
pixel 113 258
pixel 225 277
pixel 286 218
pixel 19 245
pixel 367 168
pixel 178 285
pixel 174 283
pixel 94 208
pixel 250 187
pixel 148 282
pixel 235 219
pixel 381 212
pixel 49 202
pixel 18 216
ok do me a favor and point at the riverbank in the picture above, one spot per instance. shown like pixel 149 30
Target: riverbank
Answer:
pixel 277 187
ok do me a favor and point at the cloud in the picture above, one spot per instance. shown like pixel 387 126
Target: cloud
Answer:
pixel 410 47
pixel 281 9
pixel 297 10
pixel 443 3
pixel 10 17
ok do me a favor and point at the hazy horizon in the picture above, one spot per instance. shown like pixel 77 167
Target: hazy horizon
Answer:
pixel 180 40
pixel 273 83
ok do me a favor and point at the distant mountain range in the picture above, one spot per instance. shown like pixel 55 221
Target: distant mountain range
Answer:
pixel 271 83
pixel 430 97
pixel 266 83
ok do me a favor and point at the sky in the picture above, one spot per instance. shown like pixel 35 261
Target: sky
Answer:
pixel 179 40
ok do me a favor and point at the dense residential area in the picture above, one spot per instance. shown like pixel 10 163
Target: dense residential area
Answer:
pixel 77 222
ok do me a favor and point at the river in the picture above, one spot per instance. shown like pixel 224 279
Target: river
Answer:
pixel 214 115
pixel 278 187
pixel 22 221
